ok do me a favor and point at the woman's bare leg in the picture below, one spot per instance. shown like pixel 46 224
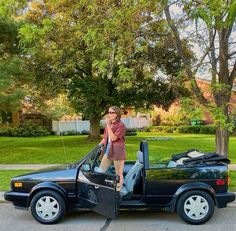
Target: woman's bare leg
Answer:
pixel 105 163
pixel 119 167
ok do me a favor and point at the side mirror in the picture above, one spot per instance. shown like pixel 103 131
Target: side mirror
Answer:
pixel 86 167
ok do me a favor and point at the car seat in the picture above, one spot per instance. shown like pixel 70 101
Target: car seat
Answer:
pixel 131 176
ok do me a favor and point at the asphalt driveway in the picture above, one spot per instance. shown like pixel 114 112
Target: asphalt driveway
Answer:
pixel 12 219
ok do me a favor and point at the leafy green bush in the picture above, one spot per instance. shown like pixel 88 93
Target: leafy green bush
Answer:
pixel 131 132
pixel 146 129
pixel 70 133
pixel 25 130
pixel 189 129
pixel 198 129
pixel 2 132
pixel 234 131
pixel 208 129
pixel 195 129
pixel 85 132
pixel 168 129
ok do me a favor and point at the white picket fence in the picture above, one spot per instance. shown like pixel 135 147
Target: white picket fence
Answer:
pixel 84 125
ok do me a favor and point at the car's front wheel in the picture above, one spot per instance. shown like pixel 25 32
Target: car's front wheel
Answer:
pixel 47 207
pixel 195 207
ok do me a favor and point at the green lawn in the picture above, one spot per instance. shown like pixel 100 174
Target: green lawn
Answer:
pixel 50 150
pixel 6 175
pixel 232 181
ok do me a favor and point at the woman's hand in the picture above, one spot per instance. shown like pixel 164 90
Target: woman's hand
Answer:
pixel 108 122
pixel 109 130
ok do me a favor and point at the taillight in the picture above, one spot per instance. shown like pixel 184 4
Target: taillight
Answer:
pixel 220 182
pixel 228 177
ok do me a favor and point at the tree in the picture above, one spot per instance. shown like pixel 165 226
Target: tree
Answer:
pixel 96 52
pixel 214 31
pixel 12 74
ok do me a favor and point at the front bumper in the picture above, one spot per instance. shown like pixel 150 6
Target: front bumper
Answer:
pixel 17 198
pixel 222 199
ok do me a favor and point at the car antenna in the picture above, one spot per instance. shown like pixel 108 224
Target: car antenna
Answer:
pixel 64 147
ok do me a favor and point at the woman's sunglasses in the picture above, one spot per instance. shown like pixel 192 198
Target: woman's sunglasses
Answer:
pixel 111 112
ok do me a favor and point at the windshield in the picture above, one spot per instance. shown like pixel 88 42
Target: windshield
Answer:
pixel 91 157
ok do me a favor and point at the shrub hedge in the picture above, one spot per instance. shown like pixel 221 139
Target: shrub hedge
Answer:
pixel 25 130
pixel 197 129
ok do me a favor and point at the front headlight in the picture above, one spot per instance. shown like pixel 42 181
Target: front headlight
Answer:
pixel 18 184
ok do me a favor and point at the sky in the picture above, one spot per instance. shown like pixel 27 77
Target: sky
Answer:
pixel 198 47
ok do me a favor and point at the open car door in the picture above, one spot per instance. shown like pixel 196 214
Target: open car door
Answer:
pixel 96 190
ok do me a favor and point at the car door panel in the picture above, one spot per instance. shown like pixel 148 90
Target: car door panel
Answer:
pixel 97 191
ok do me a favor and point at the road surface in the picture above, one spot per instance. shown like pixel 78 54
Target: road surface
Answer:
pixel 12 219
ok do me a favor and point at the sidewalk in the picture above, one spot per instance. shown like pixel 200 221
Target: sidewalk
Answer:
pixel 232 166
pixel 26 166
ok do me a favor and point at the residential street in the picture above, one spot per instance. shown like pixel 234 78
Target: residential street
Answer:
pixel 17 220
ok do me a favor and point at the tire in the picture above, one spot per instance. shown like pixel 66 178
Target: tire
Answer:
pixel 47 207
pixel 195 207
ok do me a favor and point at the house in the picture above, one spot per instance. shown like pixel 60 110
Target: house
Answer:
pixel 173 112
pixel 28 112
pixel 9 118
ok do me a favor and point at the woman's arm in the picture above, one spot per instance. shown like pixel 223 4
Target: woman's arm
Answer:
pixel 116 134
pixel 112 136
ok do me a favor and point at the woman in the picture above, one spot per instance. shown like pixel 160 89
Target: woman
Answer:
pixel 114 143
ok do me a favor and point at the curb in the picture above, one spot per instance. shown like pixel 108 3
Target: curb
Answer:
pixel 2 200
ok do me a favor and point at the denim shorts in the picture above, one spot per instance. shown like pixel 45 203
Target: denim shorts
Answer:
pixel 107 148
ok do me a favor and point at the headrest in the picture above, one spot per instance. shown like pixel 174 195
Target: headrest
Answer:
pixel 181 160
pixel 140 156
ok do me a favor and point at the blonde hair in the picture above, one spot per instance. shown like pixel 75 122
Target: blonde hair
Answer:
pixel 117 110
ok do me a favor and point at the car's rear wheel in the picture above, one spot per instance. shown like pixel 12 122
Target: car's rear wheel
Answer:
pixel 195 207
pixel 47 207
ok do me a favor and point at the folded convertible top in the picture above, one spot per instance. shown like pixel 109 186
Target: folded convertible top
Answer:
pixel 194 156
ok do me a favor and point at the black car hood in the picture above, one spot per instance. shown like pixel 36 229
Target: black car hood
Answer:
pixel 56 168
pixel 55 172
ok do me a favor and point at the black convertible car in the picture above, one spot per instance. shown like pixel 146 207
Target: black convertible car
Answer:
pixel 191 183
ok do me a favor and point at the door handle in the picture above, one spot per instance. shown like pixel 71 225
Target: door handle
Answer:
pixel 109 181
